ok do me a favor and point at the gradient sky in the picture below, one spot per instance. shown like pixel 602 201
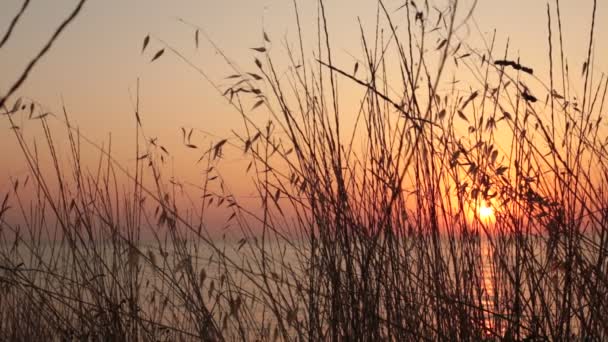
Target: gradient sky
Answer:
pixel 95 64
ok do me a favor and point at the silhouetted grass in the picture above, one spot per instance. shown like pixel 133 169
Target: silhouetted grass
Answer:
pixel 371 234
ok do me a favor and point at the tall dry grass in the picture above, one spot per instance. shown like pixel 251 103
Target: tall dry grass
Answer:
pixel 368 234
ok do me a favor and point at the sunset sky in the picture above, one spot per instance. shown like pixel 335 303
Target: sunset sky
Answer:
pixel 304 170
pixel 95 64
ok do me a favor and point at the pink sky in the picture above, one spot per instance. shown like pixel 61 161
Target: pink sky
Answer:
pixel 95 64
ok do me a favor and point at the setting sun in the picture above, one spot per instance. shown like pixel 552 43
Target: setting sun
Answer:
pixel 486 212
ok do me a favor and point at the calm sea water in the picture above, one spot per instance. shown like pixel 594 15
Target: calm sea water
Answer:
pixel 223 274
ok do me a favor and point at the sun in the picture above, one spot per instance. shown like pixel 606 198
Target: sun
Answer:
pixel 486 213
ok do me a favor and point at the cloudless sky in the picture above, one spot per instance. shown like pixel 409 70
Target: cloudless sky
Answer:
pixel 95 64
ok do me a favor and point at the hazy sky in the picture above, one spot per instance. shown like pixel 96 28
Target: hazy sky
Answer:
pixel 95 64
